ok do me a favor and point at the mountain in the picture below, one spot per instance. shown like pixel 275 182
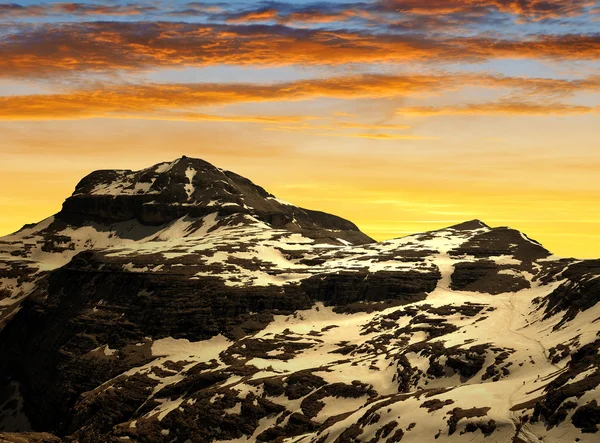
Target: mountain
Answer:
pixel 180 201
pixel 183 303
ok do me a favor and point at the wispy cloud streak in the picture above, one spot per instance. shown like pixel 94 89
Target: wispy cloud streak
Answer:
pixel 118 100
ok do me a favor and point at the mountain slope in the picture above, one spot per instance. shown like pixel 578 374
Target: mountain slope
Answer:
pixel 190 305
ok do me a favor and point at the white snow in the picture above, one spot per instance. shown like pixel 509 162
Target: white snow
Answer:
pixel 108 351
pixel 181 349
pixel 190 173
pixel 336 406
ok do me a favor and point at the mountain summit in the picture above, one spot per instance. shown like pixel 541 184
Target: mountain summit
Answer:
pixel 183 303
pixel 194 188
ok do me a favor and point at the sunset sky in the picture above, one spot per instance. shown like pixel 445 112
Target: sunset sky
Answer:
pixel 400 115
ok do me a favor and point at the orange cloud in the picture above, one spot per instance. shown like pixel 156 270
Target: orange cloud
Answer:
pixel 15 10
pixel 254 16
pixel 507 109
pixel 322 12
pixel 198 117
pixel 315 16
pixel 107 46
pixel 140 100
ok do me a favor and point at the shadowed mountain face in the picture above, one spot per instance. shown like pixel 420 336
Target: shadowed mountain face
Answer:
pixel 184 303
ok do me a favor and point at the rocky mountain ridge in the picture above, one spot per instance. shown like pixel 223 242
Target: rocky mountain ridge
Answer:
pixel 184 303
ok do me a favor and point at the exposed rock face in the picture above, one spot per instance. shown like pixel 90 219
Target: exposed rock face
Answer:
pixel 184 303
pixel 488 276
pixel 579 292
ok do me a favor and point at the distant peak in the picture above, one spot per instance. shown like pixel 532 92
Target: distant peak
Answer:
pixel 470 225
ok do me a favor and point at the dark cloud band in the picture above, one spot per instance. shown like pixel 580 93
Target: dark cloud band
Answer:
pixel 108 46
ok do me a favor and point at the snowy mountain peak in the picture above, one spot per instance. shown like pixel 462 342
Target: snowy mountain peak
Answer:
pixel 182 180
pixel 185 303
pixel 194 188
